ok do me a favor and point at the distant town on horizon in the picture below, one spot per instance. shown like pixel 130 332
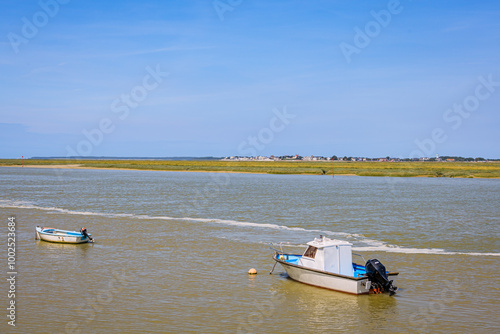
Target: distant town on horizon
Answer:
pixel 346 158
pixel 295 157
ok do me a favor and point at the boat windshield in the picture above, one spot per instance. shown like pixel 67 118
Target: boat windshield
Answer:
pixel 311 252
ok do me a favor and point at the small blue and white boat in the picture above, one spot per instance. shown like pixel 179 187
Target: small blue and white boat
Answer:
pixel 62 236
pixel 328 264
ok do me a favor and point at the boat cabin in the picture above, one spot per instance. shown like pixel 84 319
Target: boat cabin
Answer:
pixel 334 256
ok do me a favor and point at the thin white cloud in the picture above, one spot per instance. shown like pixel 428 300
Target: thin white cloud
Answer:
pixel 44 69
pixel 166 49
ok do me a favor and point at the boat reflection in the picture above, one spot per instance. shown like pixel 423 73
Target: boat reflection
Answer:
pixel 52 250
pixel 342 310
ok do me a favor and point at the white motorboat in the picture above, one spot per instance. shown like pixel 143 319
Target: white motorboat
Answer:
pixel 327 263
pixel 62 236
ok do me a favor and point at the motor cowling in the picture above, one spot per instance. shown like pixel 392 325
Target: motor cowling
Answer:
pixel 377 274
pixel 83 231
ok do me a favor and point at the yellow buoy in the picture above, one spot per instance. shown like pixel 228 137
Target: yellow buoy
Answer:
pixel 252 272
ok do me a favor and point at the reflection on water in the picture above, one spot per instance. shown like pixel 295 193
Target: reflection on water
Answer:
pixel 326 310
pixel 63 247
pixel 54 251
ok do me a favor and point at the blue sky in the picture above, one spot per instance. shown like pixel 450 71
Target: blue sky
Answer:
pixel 231 77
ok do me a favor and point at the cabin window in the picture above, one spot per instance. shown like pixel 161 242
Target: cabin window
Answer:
pixel 310 252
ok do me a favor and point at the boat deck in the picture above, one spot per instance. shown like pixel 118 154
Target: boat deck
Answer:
pixel 62 232
pixel 359 270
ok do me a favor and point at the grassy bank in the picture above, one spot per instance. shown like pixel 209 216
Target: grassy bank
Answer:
pixel 400 169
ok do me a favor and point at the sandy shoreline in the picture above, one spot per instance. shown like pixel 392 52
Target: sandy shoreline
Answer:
pixel 77 166
pixel 138 169
pixel 64 167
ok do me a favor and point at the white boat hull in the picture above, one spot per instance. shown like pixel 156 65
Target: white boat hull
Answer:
pixel 60 236
pixel 352 285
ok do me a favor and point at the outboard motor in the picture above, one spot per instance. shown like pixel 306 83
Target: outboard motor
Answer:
pixel 85 234
pixel 378 276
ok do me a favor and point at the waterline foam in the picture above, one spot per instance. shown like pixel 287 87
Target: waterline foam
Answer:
pixel 361 242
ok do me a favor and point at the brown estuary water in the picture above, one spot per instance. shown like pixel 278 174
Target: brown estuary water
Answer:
pixel 173 250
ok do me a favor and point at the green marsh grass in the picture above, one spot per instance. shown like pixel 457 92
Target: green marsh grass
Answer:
pixel 396 169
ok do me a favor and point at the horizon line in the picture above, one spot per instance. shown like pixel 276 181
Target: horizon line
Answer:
pixel 209 157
